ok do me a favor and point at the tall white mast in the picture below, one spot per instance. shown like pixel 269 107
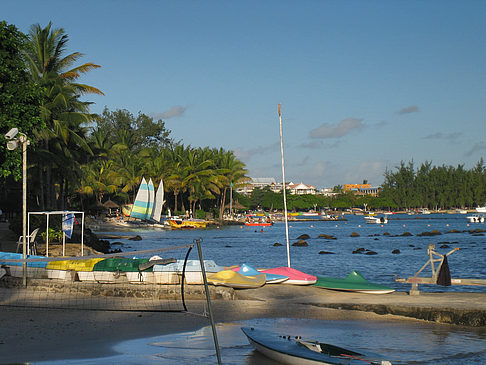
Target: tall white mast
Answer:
pixel 284 187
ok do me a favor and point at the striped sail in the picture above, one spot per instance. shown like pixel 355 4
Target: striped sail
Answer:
pixel 159 202
pixel 144 201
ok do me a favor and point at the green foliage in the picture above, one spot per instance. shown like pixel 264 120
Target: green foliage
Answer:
pixel 54 235
pixel 19 98
pixel 434 187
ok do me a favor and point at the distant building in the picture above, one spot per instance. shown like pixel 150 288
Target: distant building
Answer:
pixel 301 189
pixel 362 189
pixel 271 183
pixel 328 192
pixel 259 183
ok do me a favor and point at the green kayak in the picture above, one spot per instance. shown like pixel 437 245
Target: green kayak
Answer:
pixel 354 282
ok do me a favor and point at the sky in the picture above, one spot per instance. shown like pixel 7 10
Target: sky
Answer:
pixel 363 85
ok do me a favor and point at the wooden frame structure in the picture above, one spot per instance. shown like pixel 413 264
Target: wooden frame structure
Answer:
pixel 415 280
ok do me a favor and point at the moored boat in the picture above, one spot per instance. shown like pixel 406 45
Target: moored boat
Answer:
pixel 354 282
pixel 35 269
pixel 257 220
pixel 376 219
pixel 187 223
pixel 295 350
pixel 475 218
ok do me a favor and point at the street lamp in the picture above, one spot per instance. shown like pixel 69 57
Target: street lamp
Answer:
pixel 13 143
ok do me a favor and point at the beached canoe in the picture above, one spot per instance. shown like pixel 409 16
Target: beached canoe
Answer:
pixel 117 269
pixel 295 277
pixel 62 269
pixel 249 270
pixel 193 275
pixel 354 282
pixel 294 350
pixel 35 269
pixel 236 280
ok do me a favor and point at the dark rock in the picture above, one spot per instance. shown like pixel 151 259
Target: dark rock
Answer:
pixel 371 253
pixel 396 251
pixel 417 248
pixel 300 243
pixel 386 234
pixel 327 236
pixel 428 234
pixel 117 243
pixel 376 239
pixel 276 244
pixel 411 246
pixel 445 246
pixel 136 238
pixel 303 237
pixel 354 234
pixel 406 234
pixel 454 231
pixel 356 251
pixel 326 253
pixel 228 246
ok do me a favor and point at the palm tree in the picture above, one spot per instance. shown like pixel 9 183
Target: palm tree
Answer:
pixel 61 110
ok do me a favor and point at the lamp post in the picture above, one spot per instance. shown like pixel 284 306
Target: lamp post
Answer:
pixel 13 143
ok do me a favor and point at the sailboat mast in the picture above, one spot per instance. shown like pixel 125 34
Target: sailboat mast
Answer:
pixel 283 187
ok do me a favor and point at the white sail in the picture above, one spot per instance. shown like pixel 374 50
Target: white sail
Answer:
pixel 159 202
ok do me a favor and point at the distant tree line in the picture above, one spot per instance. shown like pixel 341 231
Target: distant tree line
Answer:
pixel 435 187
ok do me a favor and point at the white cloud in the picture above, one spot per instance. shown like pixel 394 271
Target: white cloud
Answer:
pixel 175 111
pixel 337 130
pixel 246 155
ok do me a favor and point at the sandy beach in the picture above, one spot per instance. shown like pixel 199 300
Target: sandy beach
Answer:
pixel 29 335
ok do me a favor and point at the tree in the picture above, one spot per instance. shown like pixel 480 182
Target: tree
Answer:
pixel 62 111
pixel 20 98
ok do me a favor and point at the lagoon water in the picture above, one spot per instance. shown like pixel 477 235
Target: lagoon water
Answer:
pixel 234 245
pixel 401 342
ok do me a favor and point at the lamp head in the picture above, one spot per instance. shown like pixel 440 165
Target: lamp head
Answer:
pixel 12 133
pixel 12 144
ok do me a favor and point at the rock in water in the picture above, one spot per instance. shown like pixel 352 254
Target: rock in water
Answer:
pixel 395 251
pixel 303 237
pixel 276 244
pixel 326 253
pixel 300 243
pixel 354 234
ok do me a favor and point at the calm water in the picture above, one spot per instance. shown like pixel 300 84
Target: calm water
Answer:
pixel 401 342
pixel 239 244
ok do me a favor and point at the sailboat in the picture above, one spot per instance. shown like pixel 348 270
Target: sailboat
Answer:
pixel 144 201
pixel 157 208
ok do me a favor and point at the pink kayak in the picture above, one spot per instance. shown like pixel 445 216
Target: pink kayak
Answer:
pixel 296 277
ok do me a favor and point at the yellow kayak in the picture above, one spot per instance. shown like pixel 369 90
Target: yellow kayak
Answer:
pixel 236 280
pixel 187 223
pixel 76 265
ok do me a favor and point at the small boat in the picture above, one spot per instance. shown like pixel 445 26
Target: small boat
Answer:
pixel 254 221
pixel 481 209
pixel 461 211
pixel 295 350
pixel 236 280
pixel 354 282
pixel 249 270
pixel 35 269
pixel 117 269
pixel 376 220
pixel 475 218
pixel 64 269
pixel 170 273
pixel 295 277
pixel 187 223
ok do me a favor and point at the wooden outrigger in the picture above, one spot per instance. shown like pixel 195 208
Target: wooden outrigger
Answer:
pixel 415 280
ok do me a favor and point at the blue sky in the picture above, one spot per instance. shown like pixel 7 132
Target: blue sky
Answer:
pixel 363 84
